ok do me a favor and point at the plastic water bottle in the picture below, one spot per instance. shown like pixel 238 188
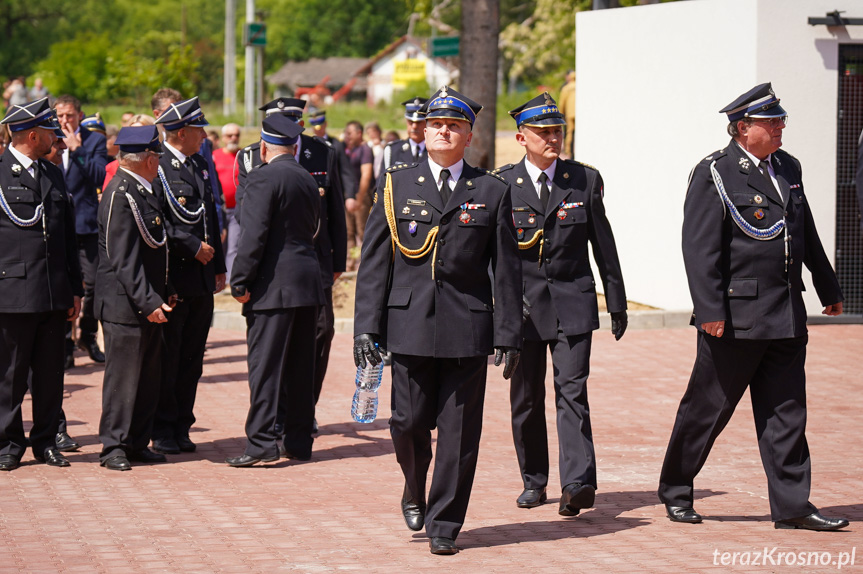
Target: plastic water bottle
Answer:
pixel 364 407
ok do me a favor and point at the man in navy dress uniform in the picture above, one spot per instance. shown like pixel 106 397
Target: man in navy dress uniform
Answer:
pixel 40 283
pixel 83 166
pixel 197 267
pixel 321 161
pixel 412 149
pixel 747 232
pixel 424 292
pixel 277 277
pixel 133 300
pixel 557 209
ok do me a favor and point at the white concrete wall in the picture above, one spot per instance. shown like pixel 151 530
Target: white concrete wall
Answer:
pixel 650 80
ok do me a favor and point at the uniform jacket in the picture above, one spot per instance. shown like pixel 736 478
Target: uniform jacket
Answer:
pixel 320 160
pixel 276 258
pixel 188 276
pixel 84 178
pixel 39 269
pixel 400 152
pixel 454 313
pixel 562 289
pixel 741 280
pixel 132 280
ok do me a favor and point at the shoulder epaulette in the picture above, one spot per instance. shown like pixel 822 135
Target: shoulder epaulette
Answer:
pixel 581 163
pixel 494 174
pixel 504 168
pixel 715 155
pixel 399 166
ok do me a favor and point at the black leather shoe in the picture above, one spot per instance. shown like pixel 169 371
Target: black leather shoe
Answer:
pixel 9 462
pixel 65 443
pixel 92 348
pixel 314 426
pixel 118 462
pixel 52 457
pixel 146 455
pixel 246 460
pixel 814 521
pixel 574 497
pixel 443 546
pixel 531 498
pixel 185 444
pixel 684 514
pixel 166 446
pixel 413 511
pixel 69 361
pixel 285 453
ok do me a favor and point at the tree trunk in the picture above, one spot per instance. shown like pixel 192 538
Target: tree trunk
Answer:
pixel 480 25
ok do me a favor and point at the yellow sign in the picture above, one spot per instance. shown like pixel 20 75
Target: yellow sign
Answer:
pixel 407 71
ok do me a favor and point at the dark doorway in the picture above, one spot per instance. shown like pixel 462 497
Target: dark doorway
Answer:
pixel 849 239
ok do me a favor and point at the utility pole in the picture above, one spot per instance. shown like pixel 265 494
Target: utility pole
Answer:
pixel 229 87
pixel 250 70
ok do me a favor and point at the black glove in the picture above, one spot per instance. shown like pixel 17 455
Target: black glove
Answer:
pixel 525 309
pixel 619 321
pixel 512 354
pixel 366 349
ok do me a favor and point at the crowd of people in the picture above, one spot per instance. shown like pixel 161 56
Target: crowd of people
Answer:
pixel 141 237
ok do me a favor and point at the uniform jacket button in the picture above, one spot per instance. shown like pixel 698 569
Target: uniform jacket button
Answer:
pixel 444 221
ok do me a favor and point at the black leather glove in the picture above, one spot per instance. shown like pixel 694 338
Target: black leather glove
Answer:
pixel 619 321
pixel 525 309
pixel 511 361
pixel 366 349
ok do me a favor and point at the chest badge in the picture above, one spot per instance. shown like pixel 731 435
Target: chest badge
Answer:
pixel 206 175
pixel 424 212
pixel 561 214
pixel 531 220
pixel 322 191
pixel 758 199
pixel 464 217
pixel 412 228
pixel 759 214
pixel 406 210
pixel 158 220
pixel 520 234
pixel 181 200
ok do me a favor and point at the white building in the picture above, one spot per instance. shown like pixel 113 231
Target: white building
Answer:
pixel 396 66
pixel 650 82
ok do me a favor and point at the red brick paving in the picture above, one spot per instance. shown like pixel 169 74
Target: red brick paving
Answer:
pixel 340 511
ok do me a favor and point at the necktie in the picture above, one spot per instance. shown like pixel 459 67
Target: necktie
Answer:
pixel 415 151
pixel 544 192
pixel 444 188
pixel 766 173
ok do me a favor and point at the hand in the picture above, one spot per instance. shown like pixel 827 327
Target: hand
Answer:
pixel 73 311
pixel 714 329
pixel 833 310
pixel 158 316
pixel 205 253
pixel 366 349
pixel 220 282
pixel 351 205
pixel 619 321
pixel 525 308
pixel 510 356
pixel 172 300
pixel 72 140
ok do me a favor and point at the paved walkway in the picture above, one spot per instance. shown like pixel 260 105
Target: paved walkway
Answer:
pixel 340 511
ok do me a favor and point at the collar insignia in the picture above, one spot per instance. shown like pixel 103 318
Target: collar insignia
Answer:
pixel 16 168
